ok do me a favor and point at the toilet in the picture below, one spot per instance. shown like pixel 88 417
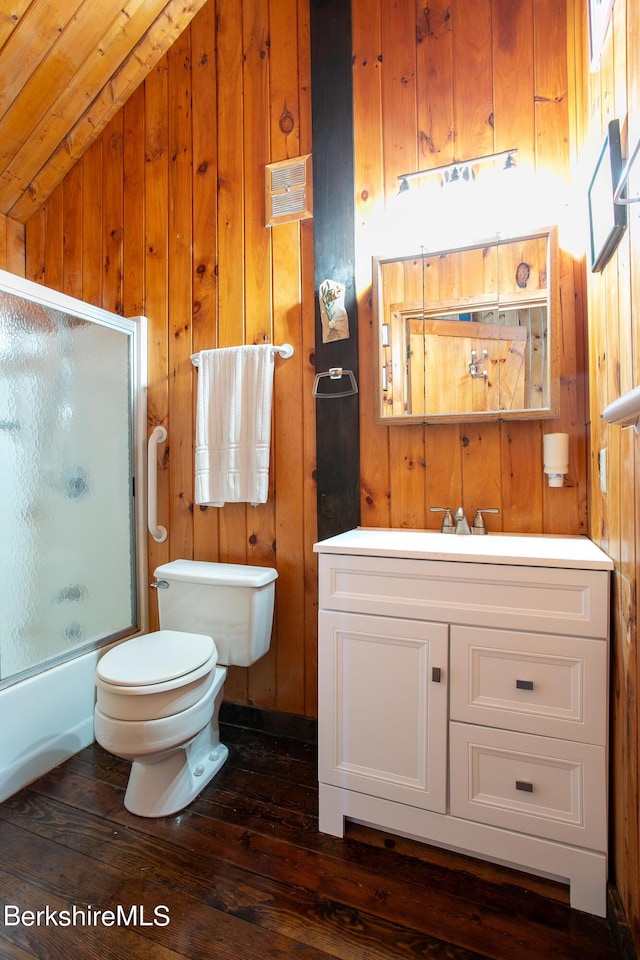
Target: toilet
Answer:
pixel 158 695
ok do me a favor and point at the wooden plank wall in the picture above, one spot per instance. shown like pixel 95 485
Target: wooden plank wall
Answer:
pixel 432 84
pixel 614 367
pixel 11 246
pixel 164 216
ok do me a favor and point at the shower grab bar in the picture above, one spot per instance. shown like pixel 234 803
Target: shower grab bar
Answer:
pixel 285 351
pixel 158 532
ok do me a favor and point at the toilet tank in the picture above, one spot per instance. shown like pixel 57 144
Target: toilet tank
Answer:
pixel 231 602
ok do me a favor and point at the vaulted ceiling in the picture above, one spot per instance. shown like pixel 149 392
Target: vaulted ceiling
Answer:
pixel 66 67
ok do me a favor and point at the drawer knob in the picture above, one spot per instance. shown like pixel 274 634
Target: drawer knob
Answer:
pixel 524 684
pixel 524 785
pixel 436 674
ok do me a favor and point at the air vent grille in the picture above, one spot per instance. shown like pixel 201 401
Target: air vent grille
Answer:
pixel 289 190
pixel 284 203
pixel 288 177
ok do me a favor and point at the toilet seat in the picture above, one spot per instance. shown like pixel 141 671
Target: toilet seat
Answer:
pixel 155 675
pixel 155 659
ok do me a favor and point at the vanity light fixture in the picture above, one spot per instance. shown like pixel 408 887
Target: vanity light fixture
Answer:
pixel 458 170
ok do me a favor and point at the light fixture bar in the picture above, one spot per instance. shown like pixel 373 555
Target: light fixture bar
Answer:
pixel 458 163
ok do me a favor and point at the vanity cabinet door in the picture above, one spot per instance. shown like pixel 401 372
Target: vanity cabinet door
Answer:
pixel 383 707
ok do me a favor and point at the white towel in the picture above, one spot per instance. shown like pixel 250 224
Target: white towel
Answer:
pixel 233 425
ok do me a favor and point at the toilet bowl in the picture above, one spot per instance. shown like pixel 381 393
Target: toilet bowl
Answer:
pixel 155 675
pixel 158 695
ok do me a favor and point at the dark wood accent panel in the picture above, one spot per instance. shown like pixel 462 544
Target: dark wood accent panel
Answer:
pixel 337 430
pixel 243 872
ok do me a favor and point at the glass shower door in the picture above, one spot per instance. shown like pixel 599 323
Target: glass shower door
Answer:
pixel 67 520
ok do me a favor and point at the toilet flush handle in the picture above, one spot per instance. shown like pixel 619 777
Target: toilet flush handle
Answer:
pixel 159 585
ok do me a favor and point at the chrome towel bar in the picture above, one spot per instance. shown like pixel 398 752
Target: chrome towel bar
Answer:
pixel 285 350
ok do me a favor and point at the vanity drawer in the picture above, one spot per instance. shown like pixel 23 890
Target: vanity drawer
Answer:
pixel 543 684
pixel 549 600
pixel 536 785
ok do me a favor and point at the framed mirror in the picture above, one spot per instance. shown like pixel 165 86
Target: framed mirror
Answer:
pixel 468 333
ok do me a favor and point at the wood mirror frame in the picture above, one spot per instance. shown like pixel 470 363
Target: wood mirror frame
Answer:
pixel 468 333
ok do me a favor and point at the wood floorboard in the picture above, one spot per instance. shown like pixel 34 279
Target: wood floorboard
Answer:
pixel 244 874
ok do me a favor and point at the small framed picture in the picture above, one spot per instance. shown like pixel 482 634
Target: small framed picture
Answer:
pixel 607 220
pixel 599 16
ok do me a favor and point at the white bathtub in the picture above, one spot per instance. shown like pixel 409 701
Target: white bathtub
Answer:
pixel 44 720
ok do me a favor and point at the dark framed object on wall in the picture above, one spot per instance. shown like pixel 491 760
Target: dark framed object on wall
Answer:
pixel 607 220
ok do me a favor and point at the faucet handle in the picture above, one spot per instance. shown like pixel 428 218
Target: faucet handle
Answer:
pixel 448 526
pixel 478 521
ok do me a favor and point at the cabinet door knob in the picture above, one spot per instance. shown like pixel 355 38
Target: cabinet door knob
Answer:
pixel 524 785
pixel 436 674
pixel 524 684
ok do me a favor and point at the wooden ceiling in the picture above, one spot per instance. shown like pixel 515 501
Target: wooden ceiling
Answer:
pixel 66 67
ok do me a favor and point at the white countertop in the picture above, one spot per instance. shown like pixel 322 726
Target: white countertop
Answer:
pixel 538 550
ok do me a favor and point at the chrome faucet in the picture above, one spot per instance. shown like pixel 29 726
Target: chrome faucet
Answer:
pixel 462 524
pixel 459 524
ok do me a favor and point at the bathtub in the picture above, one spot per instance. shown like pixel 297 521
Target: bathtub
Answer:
pixel 46 718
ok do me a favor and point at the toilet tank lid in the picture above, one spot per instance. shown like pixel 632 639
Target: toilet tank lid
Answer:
pixel 224 574
pixel 155 658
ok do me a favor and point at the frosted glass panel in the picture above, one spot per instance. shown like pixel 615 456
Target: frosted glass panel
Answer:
pixel 66 511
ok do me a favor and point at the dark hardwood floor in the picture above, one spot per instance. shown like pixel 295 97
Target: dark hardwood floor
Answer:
pixel 243 874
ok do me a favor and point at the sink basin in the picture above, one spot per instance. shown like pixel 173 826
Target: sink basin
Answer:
pixel 519 549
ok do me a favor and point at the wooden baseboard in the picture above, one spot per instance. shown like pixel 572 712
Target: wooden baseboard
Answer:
pixel 270 721
pixel 619 925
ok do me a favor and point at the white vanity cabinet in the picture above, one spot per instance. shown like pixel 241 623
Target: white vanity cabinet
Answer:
pixel 463 696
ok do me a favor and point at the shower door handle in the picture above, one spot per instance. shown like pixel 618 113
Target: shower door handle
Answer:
pixel 158 532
